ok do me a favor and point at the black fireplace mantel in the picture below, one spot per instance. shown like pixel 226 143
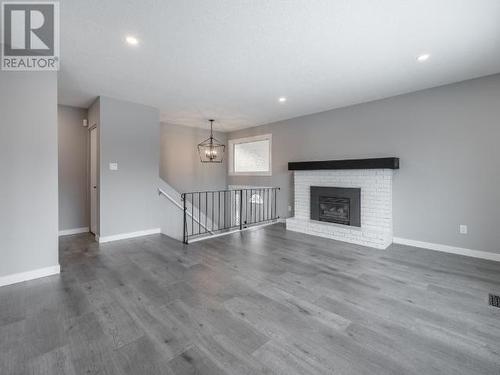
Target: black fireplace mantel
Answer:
pixel 374 163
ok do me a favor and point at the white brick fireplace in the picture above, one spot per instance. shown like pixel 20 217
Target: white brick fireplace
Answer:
pixel 376 205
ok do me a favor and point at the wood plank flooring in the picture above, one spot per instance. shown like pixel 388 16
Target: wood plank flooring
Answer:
pixel 265 301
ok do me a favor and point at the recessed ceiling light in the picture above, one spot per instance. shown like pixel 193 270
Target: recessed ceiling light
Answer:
pixel 282 99
pixel 423 57
pixel 132 40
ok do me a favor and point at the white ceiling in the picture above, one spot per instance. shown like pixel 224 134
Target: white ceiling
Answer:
pixel 232 59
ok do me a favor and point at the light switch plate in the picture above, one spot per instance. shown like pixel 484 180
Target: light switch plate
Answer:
pixel 113 166
pixel 463 229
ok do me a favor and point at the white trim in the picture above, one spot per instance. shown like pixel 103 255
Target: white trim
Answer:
pixel 215 235
pixel 232 142
pixel 67 232
pixel 30 275
pixel 448 249
pixel 232 232
pixel 124 236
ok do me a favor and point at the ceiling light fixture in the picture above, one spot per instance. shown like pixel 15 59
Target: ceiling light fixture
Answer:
pixel 132 40
pixel 211 150
pixel 423 57
pixel 282 99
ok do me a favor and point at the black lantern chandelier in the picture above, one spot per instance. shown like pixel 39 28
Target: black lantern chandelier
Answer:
pixel 211 150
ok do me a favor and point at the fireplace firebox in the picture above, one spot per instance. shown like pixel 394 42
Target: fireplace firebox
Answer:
pixel 336 205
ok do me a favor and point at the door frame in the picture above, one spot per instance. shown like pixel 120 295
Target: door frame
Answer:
pixel 93 187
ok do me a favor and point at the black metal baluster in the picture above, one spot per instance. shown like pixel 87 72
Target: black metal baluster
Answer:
pixel 264 200
pixel 262 205
pixel 184 238
pixel 271 203
pixel 267 205
pixel 251 206
pixel 275 203
pixel 254 206
pixel 241 209
pixel 257 206
pixel 249 221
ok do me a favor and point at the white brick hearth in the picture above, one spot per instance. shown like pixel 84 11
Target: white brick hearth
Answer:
pixel 376 205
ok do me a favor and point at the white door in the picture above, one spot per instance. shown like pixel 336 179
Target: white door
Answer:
pixel 93 180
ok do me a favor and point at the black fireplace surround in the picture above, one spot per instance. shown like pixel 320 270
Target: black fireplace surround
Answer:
pixel 336 205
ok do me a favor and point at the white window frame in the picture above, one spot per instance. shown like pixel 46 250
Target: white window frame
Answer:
pixel 233 142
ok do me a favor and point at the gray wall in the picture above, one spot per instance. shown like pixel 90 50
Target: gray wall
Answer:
pixel 448 142
pixel 129 136
pixel 73 168
pixel 180 164
pixel 28 166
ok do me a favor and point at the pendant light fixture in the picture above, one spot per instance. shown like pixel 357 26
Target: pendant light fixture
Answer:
pixel 211 150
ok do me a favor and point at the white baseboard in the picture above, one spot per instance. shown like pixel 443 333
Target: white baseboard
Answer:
pixel 448 249
pixel 282 220
pixel 124 236
pixel 30 275
pixel 67 232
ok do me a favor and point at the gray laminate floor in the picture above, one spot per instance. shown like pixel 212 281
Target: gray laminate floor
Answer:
pixel 266 301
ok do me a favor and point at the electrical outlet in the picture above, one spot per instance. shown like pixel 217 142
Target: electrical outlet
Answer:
pixel 113 166
pixel 463 229
pixel 289 208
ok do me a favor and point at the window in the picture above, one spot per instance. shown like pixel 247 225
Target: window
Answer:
pixel 250 156
pixel 256 199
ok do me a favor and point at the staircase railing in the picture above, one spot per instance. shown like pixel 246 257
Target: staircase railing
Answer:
pixel 211 212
